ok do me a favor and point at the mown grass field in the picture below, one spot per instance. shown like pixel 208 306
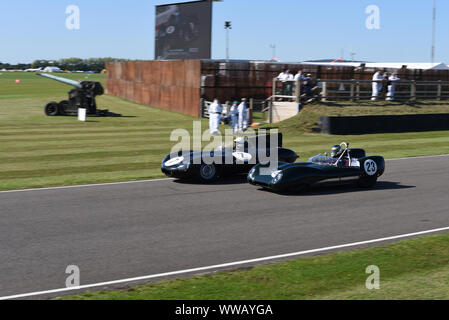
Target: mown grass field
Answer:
pixel 40 151
pixel 415 269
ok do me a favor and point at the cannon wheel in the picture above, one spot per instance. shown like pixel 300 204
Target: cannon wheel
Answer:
pixel 63 105
pixel 52 109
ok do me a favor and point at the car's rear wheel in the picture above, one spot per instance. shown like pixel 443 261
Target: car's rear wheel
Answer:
pixel 208 173
pixel 367 182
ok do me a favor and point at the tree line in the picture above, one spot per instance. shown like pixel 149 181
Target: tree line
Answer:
pixel 69 64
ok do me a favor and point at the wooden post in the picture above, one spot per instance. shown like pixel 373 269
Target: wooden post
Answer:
pixel 263 110
pixel 324 92
pixel 274 88
pixel 439 90
pixel 357 90
pixel 298 90
pixel 413 91
pixel 352 90
pixel 251 110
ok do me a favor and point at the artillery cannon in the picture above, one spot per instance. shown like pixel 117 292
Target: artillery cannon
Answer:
pixel 82 96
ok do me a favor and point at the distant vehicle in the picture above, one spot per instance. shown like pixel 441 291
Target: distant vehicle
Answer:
pixel 33 70
pixel 51 70
pixel 192 166
pixel 351 166
pixel 82 96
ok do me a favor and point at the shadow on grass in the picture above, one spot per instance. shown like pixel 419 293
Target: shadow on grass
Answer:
pixel 320 190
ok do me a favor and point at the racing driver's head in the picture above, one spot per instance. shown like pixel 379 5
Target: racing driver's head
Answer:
pixel 336 151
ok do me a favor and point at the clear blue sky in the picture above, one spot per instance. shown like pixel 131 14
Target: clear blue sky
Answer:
pixel 301 29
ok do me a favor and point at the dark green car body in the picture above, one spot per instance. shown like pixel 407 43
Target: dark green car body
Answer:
pixel 296 176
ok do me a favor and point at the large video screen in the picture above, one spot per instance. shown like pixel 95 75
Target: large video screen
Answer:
pixel 183 30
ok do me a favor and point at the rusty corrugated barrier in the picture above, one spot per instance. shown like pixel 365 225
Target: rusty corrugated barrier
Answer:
pixel 179 85
pixel 169 85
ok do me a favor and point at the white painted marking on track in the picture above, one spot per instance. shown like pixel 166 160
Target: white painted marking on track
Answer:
pixel 420 157
pixel 165 179
pixel 221 266
pixel 87 185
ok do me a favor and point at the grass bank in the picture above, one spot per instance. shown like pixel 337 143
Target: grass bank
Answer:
pixel 409 270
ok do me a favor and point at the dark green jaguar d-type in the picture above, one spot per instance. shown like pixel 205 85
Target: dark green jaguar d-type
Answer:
pixel 342 166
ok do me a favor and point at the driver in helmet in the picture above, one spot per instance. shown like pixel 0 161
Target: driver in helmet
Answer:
pixel 336 151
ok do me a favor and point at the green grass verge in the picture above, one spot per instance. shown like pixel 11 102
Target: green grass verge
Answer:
pixel 40 151
pixel 411 269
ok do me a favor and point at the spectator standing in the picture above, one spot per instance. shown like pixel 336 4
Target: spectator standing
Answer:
pixel 243 116
pixel 287 86
pixel 215 111
pixel 392 86
pixel 299 75
pixel 235 117
pixel 310 86
pixel 377 85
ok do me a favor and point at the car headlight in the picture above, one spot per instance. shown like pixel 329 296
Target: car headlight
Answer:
pixel 277 176
pixel 184 167
pixel 174 161
pixel 252 174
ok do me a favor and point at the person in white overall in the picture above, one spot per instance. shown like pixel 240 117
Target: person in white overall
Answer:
pixel 235 117
pixel 392 87
pixel 215 111
pixel 243 116
pixel 377 86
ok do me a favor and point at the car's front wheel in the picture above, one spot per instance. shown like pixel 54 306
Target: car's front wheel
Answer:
pixel 208 173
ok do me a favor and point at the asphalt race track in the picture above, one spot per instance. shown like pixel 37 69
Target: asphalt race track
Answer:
pixel 121 231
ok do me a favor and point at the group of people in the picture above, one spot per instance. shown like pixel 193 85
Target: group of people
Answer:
pixel 289 80
pixel 386 84
pixel 383 83
pixel 238 115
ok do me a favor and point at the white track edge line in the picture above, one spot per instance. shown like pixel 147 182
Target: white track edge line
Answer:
pixel 87 185
pixel 220 266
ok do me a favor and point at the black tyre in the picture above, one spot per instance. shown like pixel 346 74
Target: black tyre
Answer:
pixel 63 106
pixel 52 109
pixel 208 173
pixel 367 182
